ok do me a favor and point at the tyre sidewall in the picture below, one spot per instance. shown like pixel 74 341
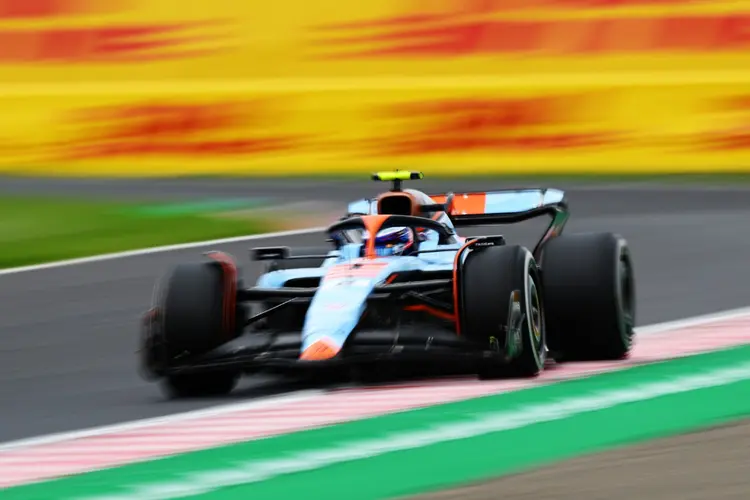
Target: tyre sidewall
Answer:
pixel 537 348
pixel 490 278
pixel 625 324
pixel 533 352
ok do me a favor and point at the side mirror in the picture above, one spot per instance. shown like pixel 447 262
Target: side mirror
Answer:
pixel 269 253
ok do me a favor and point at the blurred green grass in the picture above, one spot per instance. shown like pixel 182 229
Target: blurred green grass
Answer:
pixel 43 229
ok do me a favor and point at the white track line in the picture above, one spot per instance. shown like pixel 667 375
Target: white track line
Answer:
pixel 693 321
pixel 153 250
pixel 175 417
pixel 253 471
pixel 302 395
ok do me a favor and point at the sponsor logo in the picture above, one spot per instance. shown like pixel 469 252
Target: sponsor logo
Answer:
pixel 484 27
pixel 41 9
pixel 523 124
pixel 185 130
pixel 733 111
pixel 336 282
pixel 358 269
pixel 76 38
pixel 417 12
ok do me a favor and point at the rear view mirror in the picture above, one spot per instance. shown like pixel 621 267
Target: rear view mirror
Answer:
pixel 269 253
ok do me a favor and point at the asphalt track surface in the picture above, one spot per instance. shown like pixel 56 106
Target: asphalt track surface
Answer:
pixel 68 335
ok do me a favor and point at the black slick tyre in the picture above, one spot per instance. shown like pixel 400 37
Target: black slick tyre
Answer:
pixel 589 291
pixel 194 308
pixel 501 308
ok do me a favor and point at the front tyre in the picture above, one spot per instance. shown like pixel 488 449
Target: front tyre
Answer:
pixel 502 309
pixel 199 313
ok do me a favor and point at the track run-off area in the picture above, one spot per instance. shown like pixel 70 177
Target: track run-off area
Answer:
pixel 68 336
pixel 74 453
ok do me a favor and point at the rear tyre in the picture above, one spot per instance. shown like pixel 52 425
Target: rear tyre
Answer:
pixel 501 299
pixel 194 308
pixel 590 297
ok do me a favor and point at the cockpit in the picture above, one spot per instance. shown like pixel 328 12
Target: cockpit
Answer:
pixel 409 202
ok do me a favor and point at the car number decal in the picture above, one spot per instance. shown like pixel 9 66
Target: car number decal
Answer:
pixel 355 269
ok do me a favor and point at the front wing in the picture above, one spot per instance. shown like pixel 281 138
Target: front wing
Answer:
pixel 279 352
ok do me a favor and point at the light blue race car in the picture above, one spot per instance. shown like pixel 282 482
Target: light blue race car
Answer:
pixel 396 283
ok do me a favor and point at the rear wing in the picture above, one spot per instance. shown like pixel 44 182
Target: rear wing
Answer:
pixel 501 207
pixel 486 208
pixel 507 207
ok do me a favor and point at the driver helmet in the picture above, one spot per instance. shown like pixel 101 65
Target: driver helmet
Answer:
pixel 393 241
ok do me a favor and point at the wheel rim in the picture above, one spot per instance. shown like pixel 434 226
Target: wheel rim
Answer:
pixel 535 320
pixel 626 286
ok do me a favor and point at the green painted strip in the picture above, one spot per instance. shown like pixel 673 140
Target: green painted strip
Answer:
pixel 475 439
pixel 198 207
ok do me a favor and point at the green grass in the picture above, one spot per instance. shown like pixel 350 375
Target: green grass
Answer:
pixel 42 229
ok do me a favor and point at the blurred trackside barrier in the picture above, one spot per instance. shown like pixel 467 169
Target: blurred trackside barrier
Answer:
pixel 167 87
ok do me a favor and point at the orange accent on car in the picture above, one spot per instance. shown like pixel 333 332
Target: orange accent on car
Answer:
pixel 456 310
pixel 399 194
pixel 469 204
pixel 319 351
pixel 464 204
pixel 355 269
pixel 229 279
pixel 373 223
pixel 431 310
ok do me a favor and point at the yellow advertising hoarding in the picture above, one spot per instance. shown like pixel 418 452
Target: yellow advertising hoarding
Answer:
pixel 124 40
pixel 162 87
pixel 581 128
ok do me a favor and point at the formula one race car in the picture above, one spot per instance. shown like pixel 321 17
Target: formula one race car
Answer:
pixel 397 283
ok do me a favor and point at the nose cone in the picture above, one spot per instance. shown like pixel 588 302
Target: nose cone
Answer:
pixel 332 316
pixel 338 306
pixel 320 350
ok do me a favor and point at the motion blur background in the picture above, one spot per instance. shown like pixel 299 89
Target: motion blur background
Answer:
pixel 122 119
pixel 165 87
pixel 325 89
